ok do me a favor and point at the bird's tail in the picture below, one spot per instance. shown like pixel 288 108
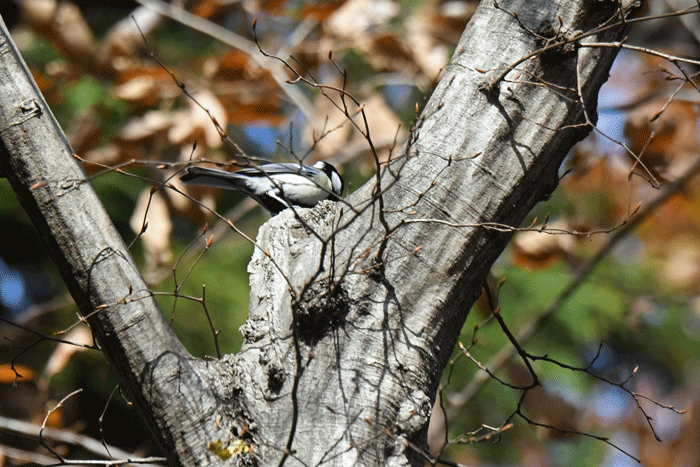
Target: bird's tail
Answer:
pixel 204 176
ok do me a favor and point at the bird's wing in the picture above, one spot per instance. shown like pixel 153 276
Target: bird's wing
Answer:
pixel 279 168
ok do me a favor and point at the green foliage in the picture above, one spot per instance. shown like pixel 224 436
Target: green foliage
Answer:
pixel 84 93
pixel 118 194
pixel 223 270
pixel 175 43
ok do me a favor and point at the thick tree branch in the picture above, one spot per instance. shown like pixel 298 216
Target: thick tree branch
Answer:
pixel 164 381
pixel 349 370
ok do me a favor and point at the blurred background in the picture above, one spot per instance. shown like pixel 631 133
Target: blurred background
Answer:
pixel 134 128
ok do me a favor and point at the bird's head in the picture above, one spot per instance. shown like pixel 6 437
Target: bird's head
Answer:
pixel 337 183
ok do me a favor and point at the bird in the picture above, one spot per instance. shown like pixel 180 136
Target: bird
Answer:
pixel 275 186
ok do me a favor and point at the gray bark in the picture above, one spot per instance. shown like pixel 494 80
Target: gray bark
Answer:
pixel 362 371
pixel 169 387
pixel 340 362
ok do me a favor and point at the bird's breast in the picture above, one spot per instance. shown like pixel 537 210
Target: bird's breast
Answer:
pixel 303 191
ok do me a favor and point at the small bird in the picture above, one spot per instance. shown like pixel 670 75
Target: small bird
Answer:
pixel 275 186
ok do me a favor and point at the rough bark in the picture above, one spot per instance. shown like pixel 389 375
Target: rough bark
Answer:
pixel 340 371
pixel 344 372
pixel 169 387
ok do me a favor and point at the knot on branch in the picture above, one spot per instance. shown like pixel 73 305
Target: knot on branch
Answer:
pixel 323 308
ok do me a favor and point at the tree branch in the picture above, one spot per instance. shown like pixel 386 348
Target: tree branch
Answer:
pixel 165 382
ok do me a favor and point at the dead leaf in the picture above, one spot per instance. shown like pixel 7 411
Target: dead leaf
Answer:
pixel 536 250
pixel 427 52
pixel 8 375
pixel 143 90
pixel 63 353
pixel 355 19
pixel 147 126
pixel 193 124
pixel 154 211
pixel 674 145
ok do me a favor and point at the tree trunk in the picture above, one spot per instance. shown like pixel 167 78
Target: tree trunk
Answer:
pixel 354 313
pixel 344 371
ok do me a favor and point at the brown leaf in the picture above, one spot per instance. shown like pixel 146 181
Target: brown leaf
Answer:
pixel 156 239
pixel 85 132
pixel 536 250
pixel 355 18
pixel 8 375
pixel 63 24
pixel 429 54
pixel 320 11
pixel 193 124
pixel 544 407
pixel 147 126
pixel 64 352
pixel 674 140
pixel 143 90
